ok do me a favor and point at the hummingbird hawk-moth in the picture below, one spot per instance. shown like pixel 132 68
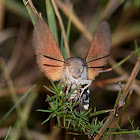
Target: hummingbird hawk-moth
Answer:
pixel 75 71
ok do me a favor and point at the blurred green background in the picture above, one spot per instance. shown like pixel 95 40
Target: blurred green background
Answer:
pixel 19 71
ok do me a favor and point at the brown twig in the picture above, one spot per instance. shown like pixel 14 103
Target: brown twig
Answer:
pixel 116 87
pixel 19 90
pixel 129 83
pixel 110 8
pixel 125 107
pixel 128 112
pixel 67 11
pixel 102 83
pixel 120 71
pixel 124 34
pixel 121 101
pixel 1 14
pixel 6 34
pixel 62 27
pixel 17 51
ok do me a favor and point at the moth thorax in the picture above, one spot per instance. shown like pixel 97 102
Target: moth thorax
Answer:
pixel 75 69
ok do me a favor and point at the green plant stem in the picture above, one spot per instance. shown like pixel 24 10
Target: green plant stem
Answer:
pixel 69 26
pixel 105 126
pixel 62 27
pixel 117 65
pixel 123 132
pixel 51 19
pixel 122 61
pixel 24 117
pixel 33 16
pixel 7 133
pixel 118 98
pixel 100 112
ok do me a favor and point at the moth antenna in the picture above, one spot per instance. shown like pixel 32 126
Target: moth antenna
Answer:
pixel 97 67
pixel 97 59
pixel 53 58
pixel 51 65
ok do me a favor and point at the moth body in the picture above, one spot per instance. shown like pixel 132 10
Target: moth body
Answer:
pixel 75 75
pixel 74 72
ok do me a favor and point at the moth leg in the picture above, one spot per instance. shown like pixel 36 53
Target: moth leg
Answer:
pixel 83 82
pixel 83 89
pixel 68 88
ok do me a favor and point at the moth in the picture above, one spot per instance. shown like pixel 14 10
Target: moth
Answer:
pixel 75 71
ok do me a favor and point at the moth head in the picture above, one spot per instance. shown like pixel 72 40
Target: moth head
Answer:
pixel 76 66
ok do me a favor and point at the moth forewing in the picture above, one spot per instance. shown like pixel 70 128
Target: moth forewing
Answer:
pixel 99 50
pixel 49 57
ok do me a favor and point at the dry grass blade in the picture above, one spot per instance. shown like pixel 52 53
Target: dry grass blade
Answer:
pixel 62 27
pixel 1 14
pixel 67 11
pixel 129 83
pixel 111 7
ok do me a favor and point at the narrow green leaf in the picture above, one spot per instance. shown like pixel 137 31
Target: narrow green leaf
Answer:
pixel 52 98
pixel 136 44
pixel 53 85
pixel 88 112
pixel 51 19
pixel 50 90
pixel 19 101
pixel 42 110
pixel 69 26
pixel 118 98
pixel 64 120
pixel 122 61
pixel 7 133
pixel 100 112
pixel 47 119
pixel 58 120
pixel 33 16
pixel 62 48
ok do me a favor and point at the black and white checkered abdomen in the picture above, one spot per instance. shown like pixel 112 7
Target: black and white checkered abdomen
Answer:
pixel 81 94
pixel 85 99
